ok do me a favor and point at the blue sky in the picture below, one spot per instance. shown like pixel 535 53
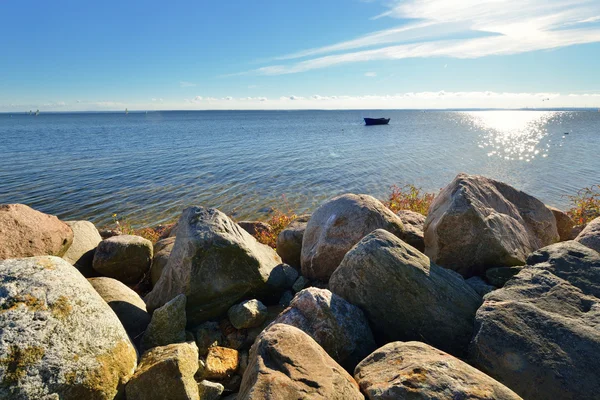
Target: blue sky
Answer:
pixel 109 55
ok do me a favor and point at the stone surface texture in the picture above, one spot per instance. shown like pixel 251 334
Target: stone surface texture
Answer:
pixel 476 223
pixel 58 337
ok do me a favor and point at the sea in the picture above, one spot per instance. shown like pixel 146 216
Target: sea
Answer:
pixel 147 167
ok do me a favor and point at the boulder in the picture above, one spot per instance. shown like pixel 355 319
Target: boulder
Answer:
pixel 564 224
pixel 169 230
pixel 281 278
pixel 476 223
pixel 210 390
pixel 127 304
pixel 590 235
pixel 162 251
pixel 289 241
pixel 215 263
pixel 167 325
pixel 25 232
pixel 413 226
pixel 479 285
pixel 539 333
pixel 81 252
pixel 404 295
pixel 414 370
pixel 166 372
pixel 338 326
pixel 221 362
pixel 57 336
pixel 286 363
pixel 286 298
pixel 254 227
pixel 126 258
pixel 247 314
pixel 499 276
pixel 338 225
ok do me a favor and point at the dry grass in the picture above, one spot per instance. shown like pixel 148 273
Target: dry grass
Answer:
pixel 585 205
pixel 409 197
pixel 152 234
pixel 278 222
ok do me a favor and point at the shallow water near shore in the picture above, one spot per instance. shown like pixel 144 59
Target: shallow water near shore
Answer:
pixel 148 167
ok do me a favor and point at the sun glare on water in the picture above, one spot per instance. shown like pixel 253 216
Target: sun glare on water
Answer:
pixel 512 135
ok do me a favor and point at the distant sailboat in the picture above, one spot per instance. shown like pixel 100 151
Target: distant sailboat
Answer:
pixel 126 111
pixel 37 113
pixel 29 112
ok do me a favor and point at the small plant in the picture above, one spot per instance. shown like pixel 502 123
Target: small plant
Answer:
pixel 125 228
pixel 585 205
pixel 409 197
pixel 278 222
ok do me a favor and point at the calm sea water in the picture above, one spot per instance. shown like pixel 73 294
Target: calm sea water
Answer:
pixel 148 167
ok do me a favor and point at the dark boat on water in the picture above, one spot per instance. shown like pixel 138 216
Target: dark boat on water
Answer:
pixel 377 121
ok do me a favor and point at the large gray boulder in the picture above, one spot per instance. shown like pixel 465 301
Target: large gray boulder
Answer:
pixel 214 263
pixel 25 232
pixel 539 334
pixel 476 223
pixel 339 327
pixel 590 235
pixel 162 251
pixel 404 295
pixel 289 241
pixel 58 337
pixel 338 225
pixel 286 363
pixel 81 252
pixel 166 372
pixel 414 370
pixel 126 258
pixel 127 304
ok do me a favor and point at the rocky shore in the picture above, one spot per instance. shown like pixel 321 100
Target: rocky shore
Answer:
pixel 493 296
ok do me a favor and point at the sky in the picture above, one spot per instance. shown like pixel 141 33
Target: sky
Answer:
pixel 273 54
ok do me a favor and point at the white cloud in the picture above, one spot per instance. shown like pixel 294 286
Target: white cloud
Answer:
pixel 459 29
pixel 185 84
pixel 371 74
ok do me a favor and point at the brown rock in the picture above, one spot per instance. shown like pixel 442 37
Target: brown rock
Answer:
pixel 166 372
pixel 476 223
pixel 564 224
pixel 25 232
pixel 286 363
pixel 415 370
pixel 338 225
pixel 221 362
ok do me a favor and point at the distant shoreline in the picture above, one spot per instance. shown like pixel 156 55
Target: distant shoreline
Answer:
pixel 119 111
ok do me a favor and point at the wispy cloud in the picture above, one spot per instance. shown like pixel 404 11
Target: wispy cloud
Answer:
pixel 371 74
pixel 459 29
pixel 185 84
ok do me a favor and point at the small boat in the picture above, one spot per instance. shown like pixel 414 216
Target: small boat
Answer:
pixel 126 111
pixel 377 121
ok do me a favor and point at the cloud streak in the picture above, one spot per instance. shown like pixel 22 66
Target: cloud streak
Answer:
pixel 458 29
